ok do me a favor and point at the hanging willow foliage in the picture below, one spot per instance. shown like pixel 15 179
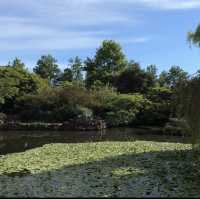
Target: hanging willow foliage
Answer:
pixel 189 108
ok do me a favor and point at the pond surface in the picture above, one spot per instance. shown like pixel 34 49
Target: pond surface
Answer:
pixel 19 141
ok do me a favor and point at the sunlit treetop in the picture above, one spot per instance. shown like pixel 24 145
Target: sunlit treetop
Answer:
pixel 194 37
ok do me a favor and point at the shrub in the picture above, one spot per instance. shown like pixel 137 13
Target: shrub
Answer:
pixel 160 108
pixel 56 104
pixel 156 114
pixel 72 112
pixel 160 94
pixel 3 118
pixel 122 109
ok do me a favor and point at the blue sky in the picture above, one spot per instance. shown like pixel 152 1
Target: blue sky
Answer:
pixel 150 31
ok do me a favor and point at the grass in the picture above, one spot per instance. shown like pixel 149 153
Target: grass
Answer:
pixel 103 169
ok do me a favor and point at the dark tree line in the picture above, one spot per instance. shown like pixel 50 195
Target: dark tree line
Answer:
pixel 106 86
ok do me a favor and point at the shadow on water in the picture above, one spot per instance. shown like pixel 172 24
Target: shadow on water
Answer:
pixel 19 141
pixel 150 174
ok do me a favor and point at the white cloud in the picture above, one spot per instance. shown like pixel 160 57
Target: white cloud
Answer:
pixel 170 4
pixel 64 24
pixel 58 25
pixel 63 42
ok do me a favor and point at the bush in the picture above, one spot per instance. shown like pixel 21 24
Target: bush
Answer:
pixel 160 108
pixel 121 109
pixel 156 114
pixel 160 94
pixel 56 104
pixel 72 112
pixel 3 118
pixel 85 113
pixel 71 101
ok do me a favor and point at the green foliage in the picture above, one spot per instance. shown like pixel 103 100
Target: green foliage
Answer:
pixel 67 75
pixel 189 107
pixel 56 104
pixel 76 68
pixel 73 73
pixel 107 63
pixel 159 109
pixel 3 118
pixel 189 97
pixel 163 82
pixel 133 79
pixel 85 113
pixel 39 82
pixel 176 76
pixel 156 114
pixel 15 82
pixel 194 37
pixel 151 71
pixel 17 63
pixel 160 94
pixel 114 89
pixel 173 78
pixel 122 109
pixel 47 68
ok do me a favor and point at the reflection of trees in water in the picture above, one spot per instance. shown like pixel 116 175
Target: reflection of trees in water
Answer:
pixel 21 141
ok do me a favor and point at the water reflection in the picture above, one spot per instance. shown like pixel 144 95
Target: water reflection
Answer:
pixel 18 141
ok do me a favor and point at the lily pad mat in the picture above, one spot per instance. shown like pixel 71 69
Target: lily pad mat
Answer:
pixel 103 169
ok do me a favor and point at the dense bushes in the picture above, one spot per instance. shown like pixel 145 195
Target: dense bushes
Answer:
pixel 56 104
pixel 155 114
pixel 160 108
pixel 16 82
pixel 122 109
pixel 107 86
pixel 73 101
pixel 3 118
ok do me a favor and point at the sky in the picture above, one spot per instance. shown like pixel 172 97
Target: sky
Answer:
pixel 150 31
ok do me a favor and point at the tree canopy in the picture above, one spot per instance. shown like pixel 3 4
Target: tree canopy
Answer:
pixel 194 37
pixel 133 79
pixel 113 88
pixel 108 61
pixel 47 67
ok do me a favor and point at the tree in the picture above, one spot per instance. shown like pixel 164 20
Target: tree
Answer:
pixel 152 72
pixel 134 79
pixel 67 75
pixel 173 78
pixel 73 73
pixel 176 76
pixel 189 107
pixel 108 62
pixel 163 79
pixel 76 68
pixel 17 63
pixel 15 82
pixel 194 37
pixel 47 68
pixel 189 96
pixel 152 69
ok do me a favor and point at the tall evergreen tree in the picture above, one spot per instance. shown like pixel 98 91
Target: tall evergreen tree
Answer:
pixel 107 63
pixel 47 68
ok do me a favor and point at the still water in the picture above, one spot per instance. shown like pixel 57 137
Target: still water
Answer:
pixel 19 141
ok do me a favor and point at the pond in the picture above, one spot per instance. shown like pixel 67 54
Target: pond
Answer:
pixel 19 141
pixel 120 162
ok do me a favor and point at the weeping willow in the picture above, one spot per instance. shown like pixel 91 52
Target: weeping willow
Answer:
pixel 194 37
pixel 189 108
